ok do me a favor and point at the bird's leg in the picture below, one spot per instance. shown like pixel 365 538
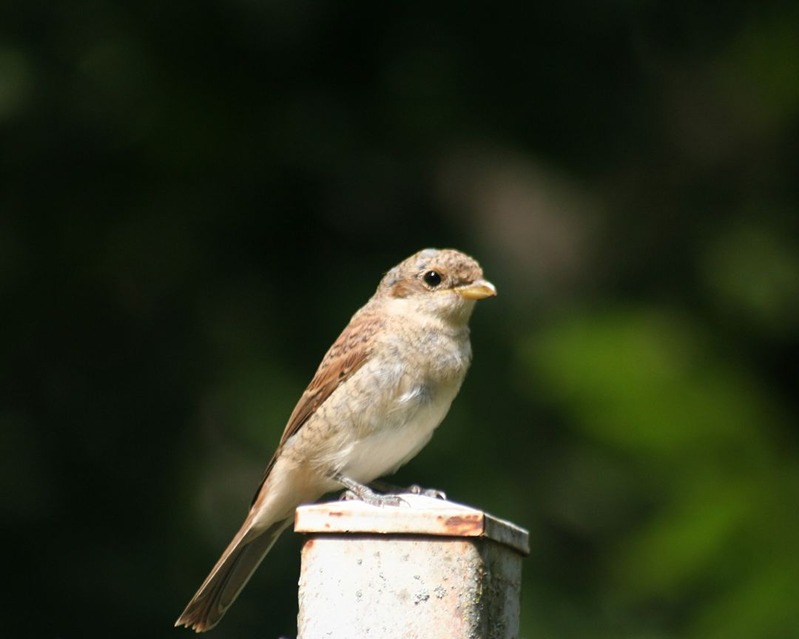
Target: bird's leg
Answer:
pixel 413 489
pixel 365 494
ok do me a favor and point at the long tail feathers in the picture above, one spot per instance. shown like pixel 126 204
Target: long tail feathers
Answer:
pixel 229 576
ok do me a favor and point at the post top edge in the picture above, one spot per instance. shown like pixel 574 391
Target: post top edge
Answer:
pixel 417 515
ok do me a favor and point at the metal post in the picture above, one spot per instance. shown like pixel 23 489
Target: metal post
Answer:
pixel 426 569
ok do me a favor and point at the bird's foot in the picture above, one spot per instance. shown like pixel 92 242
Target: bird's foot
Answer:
pixel 366 494
pixel 416 489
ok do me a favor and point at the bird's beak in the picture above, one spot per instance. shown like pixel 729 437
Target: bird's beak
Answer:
pixel 477 290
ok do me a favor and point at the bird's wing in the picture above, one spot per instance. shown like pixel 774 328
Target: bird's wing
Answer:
pixel 347 354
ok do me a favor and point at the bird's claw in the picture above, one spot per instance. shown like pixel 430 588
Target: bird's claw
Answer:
pixel 415 489
pixel 366 495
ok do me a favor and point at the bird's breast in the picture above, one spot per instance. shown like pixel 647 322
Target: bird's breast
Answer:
pixel 402 405
pixel 381 416
pixel 393 437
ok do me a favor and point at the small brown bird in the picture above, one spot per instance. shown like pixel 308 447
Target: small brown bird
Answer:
pixel 374 402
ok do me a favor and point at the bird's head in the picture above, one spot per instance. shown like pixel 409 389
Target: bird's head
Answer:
pixel 443 282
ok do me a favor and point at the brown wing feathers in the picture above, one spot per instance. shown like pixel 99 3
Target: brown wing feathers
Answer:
pixel 347 354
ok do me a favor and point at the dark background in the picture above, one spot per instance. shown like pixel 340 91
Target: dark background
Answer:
pixel 196 196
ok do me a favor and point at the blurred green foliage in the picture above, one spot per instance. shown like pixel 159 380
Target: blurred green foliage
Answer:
pixel 194 198
pixel 701 438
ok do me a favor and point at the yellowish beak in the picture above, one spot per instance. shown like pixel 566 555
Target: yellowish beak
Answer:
pixel 477 290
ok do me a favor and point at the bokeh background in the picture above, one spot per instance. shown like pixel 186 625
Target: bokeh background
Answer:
pixel 196 196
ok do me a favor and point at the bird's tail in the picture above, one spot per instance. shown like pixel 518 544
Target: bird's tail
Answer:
pixel 230 574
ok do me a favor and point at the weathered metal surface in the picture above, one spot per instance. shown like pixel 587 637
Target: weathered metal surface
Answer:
pixel 429 569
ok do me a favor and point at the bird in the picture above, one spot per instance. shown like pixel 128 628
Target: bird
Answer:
pixel 380 391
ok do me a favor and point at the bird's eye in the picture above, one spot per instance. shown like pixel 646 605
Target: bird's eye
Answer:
pixel 432 278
